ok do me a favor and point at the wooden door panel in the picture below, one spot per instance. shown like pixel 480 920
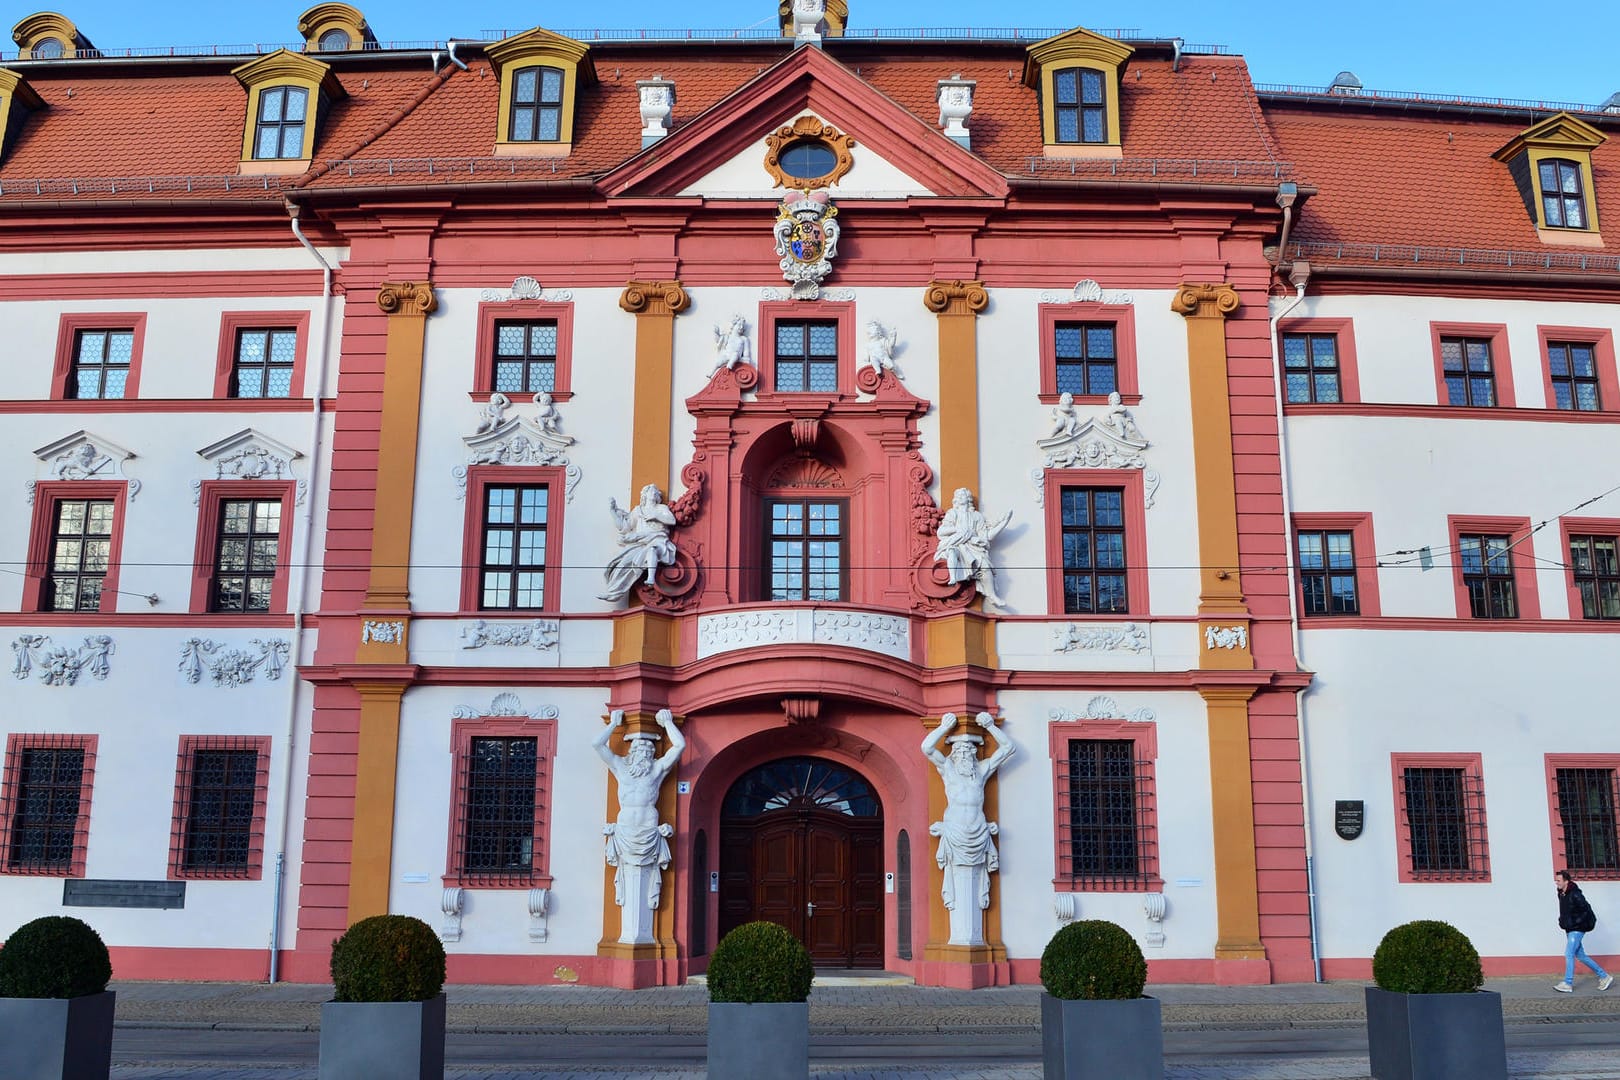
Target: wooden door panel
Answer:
pixel 736 879
pixel 866 896
pixel 778 882
pixel 826 885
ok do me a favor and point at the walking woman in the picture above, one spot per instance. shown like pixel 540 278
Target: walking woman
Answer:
pixel 1576 919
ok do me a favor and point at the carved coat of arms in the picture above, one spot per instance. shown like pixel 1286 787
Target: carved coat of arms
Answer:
pixel 806 234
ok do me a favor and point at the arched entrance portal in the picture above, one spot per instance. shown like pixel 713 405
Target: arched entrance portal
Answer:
pixel 801 845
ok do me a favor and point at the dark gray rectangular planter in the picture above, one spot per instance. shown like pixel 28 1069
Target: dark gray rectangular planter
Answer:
pixel 750 1041
pixel 400 1040
pixel 56 1038
pixel 1102 1040
pixel 1436 1036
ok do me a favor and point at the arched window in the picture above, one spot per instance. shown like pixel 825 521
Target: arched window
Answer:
pixel 801 783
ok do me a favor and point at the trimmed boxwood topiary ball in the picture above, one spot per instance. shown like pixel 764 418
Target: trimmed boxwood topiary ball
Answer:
pixel 1427 957
pixel 388 958
pixel 759 962
pixel 54 957
pixel 1093 960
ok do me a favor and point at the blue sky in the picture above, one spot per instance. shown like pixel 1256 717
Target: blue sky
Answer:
pixel 1487 47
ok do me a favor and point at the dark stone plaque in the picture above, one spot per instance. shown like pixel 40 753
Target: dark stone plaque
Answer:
pixel 83 892
pixel 1348 817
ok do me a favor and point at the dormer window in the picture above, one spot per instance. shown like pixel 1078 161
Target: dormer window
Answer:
pixel 49 49
pixel 1080 105
pixel 46 35
pixel 17 100
pixel 1563 204
pixel 334 27
pixel 1551 165
pixel 1077 76
pixel 537 100
pixel 287 94
pixel 540 75
pixel 283 111
pixel 333 41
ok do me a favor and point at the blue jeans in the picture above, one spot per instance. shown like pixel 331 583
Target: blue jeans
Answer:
pixel 1573 951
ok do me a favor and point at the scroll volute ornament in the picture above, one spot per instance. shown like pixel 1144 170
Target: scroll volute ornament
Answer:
pixel 956 297
pixel 406 298
pixel 808 127
pixel 1205 301
pixel 654 298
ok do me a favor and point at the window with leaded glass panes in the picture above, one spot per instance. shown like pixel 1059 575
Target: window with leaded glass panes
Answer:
pixel 1466 365
pixel 1594 562
pixel 1327 572
pixel 1587 820
pixel 222 830
pixel 512 567
pixel 807 541
pixel 806 356
pixel 1444 812
pixel 498 807
pixel 248 547
pixel 1079 107
pixel 1572 367
pixel 101 360
pixel 1311 367
pixel 279 133
pixel 1093 523
pixel 537 94
pixel 263 364
pixel 526 357
pixel 45 789
pixel 80 554
pixel 1563 205
pixel 1487 574
pixel 1086 360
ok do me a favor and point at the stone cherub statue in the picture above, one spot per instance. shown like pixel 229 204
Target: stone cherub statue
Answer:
pixel 880 344
pixel 731 345
pixel 1065 417
pixel 967 849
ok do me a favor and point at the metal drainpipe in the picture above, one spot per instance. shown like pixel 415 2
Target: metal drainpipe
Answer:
pixel 301 567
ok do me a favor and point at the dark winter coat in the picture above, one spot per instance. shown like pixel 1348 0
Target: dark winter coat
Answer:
pixel 1574 913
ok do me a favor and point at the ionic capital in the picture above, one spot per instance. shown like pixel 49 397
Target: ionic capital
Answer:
pixel 406 298
pixel 956 297
pixel 1205 301
pixel 654 298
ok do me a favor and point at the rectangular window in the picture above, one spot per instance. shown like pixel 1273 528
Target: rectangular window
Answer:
pixel 280 131
pixel 537 104
pixel 263 362
pixel 247 550
pixel 46 811
pixel 525 357
pixel 1572 368
pixel 1087 362
pixel 1487 574
pixel 1466 364
pixel 1104 804
pixel 1594 560
pixel 806 357
pixel 1586 818
pixel 80 555
pixel 1311 367
pixel 220 784
pixel 807 543
pixel 512 568
pixel 101 364
pixel 1094 572
pixel 500 806
pixel 1079 110
pixel 1562 204
pixel 1441 814
pixel 1327 572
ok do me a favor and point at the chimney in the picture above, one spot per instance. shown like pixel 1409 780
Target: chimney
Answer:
pixel 657 102
pixel 955 105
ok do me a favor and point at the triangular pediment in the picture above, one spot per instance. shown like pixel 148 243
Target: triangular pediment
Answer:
pixel 722 151
pixel 1560 131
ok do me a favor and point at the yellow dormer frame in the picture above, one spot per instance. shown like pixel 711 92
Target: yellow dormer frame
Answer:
pixel 278 69
pixel 16 97
pixel 540 48
pixel 835 14
pixel 1077 48
pixel 1559 137
pixel 324 18
pixel 44 26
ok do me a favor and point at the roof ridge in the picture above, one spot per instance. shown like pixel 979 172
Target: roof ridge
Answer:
pixel 389 123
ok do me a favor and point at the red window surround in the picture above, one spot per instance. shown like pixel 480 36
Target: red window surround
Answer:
pixel 480 477
pixel 1501 366
pixel 1560 851
pixel 1344 333
pixel 15 745
pixel 1123 316
pixel 1477 835
pixel 1581 526
pixel 1602 342
pixel 523 311
pixel 67 333
pixel 212 494
pixel 462 733
pixel 232 321
pixel 843 313
pixel 253 870
pixel 1136 564
pixel 1360 528
pixel 1517 529
pixel 47 493
pixel 1144 735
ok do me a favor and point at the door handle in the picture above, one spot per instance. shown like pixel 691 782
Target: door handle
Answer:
pixel 809 907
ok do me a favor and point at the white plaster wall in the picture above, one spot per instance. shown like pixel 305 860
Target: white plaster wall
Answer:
pixel 744 176
pixel 169 261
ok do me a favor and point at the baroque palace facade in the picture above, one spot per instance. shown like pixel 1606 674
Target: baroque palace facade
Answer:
pixel 588 493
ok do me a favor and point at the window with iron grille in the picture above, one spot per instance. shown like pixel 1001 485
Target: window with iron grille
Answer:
pixel 1327 572
pixel 806 357
pixel 263 364
pixel 247 550
pixel 502 778
pixel 1444 811
pixel 1562 202
pixel 81 552
pixel 536 105
pixel 1572 366
pixel 1487 573
pixel 219 817
pixel 1094 550
pixel 526 357
pixel 1311 367
pixel 1595 563
pixel 47 797
pixel 1079 107
pixel 512 573
pixel 1466 364
pixel 807 541
pixel 1105 796
pixel 279 134
pixel 101 360
pixel 1586 816
pixel 1087 362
